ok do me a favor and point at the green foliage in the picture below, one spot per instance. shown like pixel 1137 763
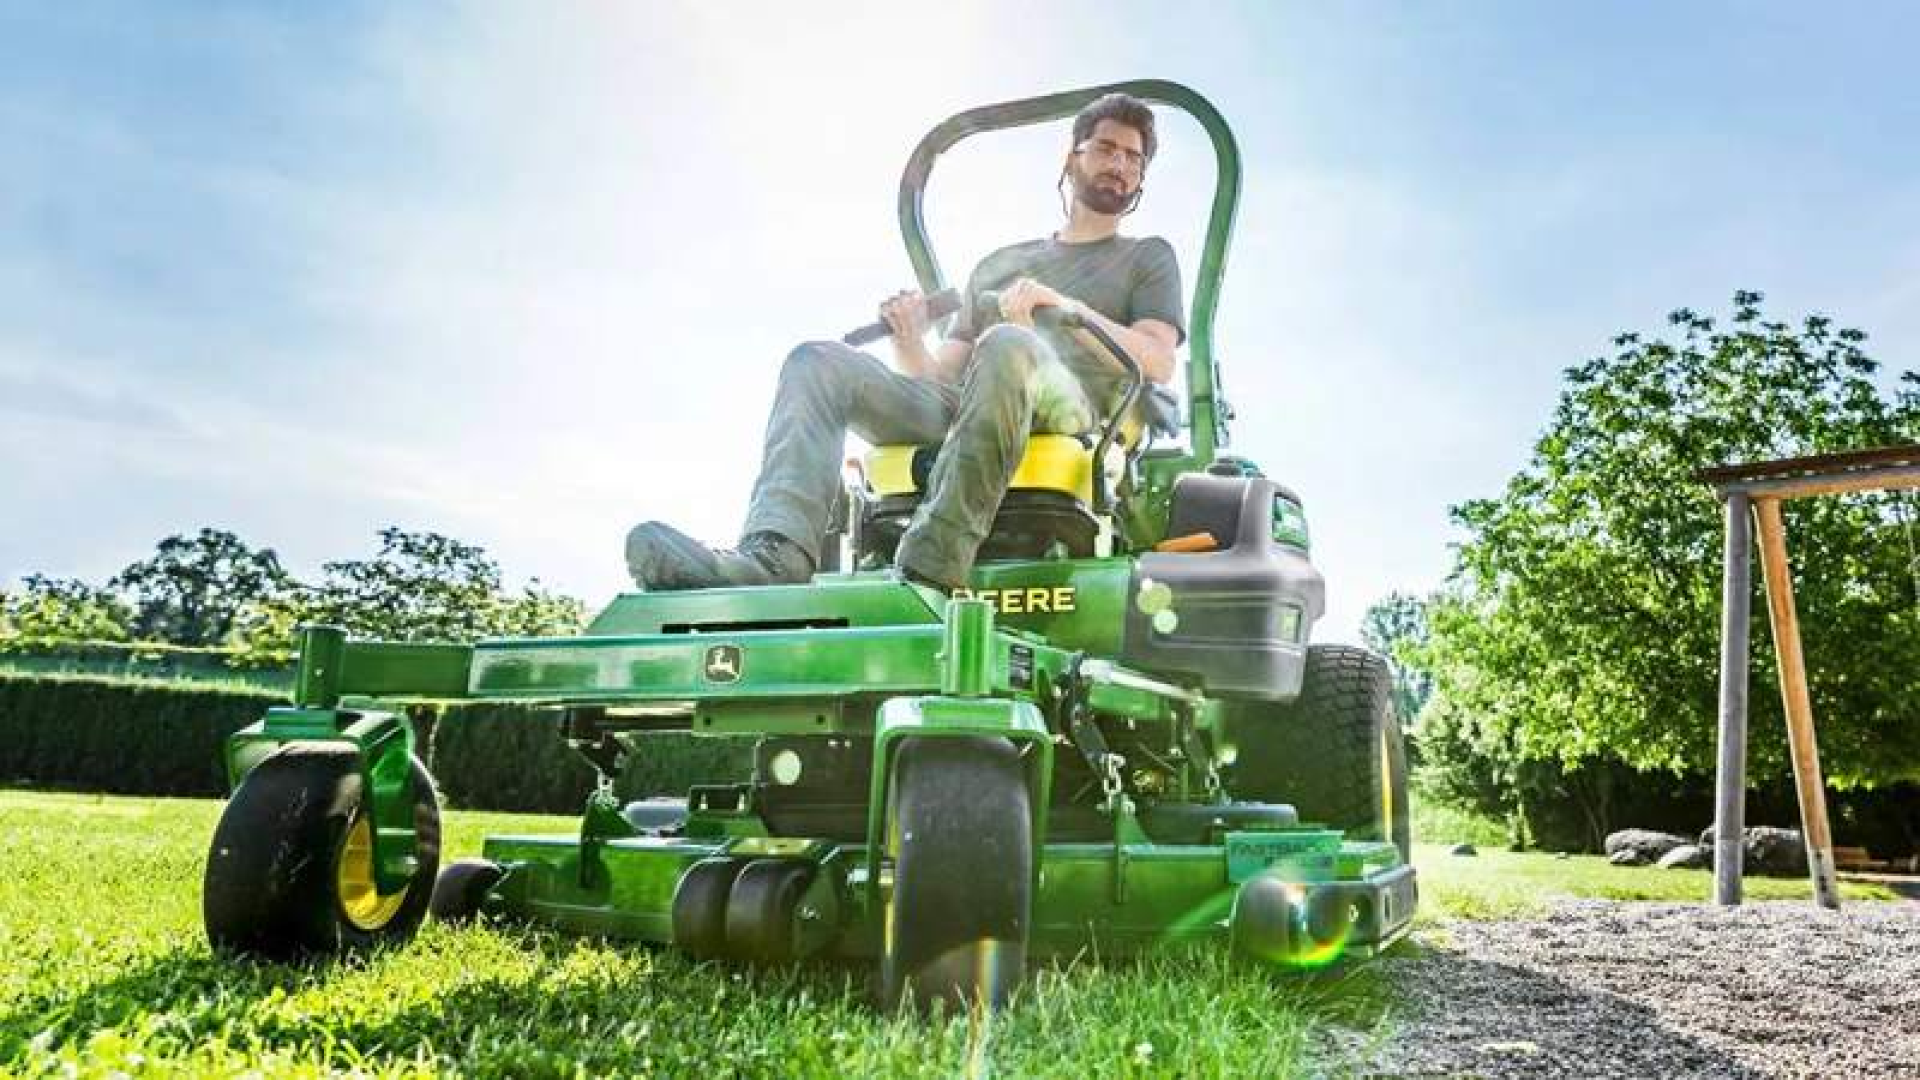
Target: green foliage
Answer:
pixel 1443 824
pixel 192 590
pixel 133 738
pixel 212 589
pixel 141 660
pixel 1582 623
pixel 1511 885
pixel 265 632
pixel 506 757
pixel 141 737
pixel 419 587
pixel 50 610
pixel 535 612
pixel 1469 762
pixel 1396 628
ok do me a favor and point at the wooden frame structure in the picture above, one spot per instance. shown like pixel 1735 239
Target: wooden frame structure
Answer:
pixel 1753 494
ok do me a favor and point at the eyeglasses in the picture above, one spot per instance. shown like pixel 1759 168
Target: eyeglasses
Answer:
pixel 1108 150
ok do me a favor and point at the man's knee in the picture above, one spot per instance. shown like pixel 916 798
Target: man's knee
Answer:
pixel 1007 353
pixel 816 365
pixel 811 357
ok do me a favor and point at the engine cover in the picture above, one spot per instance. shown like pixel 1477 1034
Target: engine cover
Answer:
pixel 1237 617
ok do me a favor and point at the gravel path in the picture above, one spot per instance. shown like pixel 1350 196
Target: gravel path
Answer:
pixel 1598 989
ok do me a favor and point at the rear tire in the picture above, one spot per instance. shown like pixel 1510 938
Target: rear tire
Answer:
pixel 960 833
pixel 1336 753
pixel 289 874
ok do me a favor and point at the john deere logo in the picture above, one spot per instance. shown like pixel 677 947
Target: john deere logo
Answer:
pixel 1050 600
pixel 723 663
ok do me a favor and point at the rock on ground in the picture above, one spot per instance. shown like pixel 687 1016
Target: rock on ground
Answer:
pixel 1646 844
pixel 1685 857
pixel 1766 850
pixel 1602 989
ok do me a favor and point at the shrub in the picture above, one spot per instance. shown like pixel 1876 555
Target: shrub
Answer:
pixel 149 738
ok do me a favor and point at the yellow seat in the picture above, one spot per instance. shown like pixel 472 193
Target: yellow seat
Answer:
pixel 1060 463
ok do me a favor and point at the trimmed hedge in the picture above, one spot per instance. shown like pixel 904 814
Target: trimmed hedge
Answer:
pixel 506 757
pixel 129 737
pixel 120 736
pixel 139 660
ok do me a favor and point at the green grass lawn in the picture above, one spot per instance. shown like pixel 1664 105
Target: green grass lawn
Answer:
pixel 106 971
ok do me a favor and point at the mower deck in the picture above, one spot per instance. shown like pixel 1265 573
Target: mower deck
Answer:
pixel 1108 899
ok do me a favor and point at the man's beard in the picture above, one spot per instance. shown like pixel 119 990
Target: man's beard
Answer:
pixel 1101 200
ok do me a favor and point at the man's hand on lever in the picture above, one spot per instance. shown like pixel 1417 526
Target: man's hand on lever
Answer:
pixel 905 314
pixel 1018 300
pixel 908 320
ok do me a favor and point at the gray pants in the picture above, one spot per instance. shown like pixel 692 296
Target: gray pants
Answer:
pixel 828 389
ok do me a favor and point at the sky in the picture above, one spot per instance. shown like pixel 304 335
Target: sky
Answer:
pixel 524 274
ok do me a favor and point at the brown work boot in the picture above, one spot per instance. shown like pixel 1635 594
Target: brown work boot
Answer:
pixel 663 558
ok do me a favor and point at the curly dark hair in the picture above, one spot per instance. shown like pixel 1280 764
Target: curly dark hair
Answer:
pixel 1121 109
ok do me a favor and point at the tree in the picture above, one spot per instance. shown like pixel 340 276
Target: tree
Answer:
pixel 539 613
pixel 1396 628
pixel 192 589
pixel 419 587
pixel 1582 622
pixel 59 611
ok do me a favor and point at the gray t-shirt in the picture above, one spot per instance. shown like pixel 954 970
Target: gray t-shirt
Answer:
pixel 1122 277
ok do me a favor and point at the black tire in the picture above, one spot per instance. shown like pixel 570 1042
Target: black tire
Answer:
pixel 960 833
pixel 462 888
pixel 1336 753
pixel 700 907
pixel 761 908
pixel 289 871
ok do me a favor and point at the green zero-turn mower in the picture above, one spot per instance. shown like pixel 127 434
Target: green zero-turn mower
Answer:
pixel 1117 739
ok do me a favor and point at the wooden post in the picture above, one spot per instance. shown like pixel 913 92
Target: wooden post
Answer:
pixel 1798 705
pixel 1736 614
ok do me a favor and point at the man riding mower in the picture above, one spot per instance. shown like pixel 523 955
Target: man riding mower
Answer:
pixel 981 392
pixel 1036 686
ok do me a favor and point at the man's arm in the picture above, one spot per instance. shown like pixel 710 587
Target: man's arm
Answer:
pixel 945 364
pixel 1151 342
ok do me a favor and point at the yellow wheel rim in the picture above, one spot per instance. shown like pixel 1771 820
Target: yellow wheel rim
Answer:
pixel 360 899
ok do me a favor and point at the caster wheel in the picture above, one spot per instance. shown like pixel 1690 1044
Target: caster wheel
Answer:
pixel 290 871
pixel 700 907
pixel 462 889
